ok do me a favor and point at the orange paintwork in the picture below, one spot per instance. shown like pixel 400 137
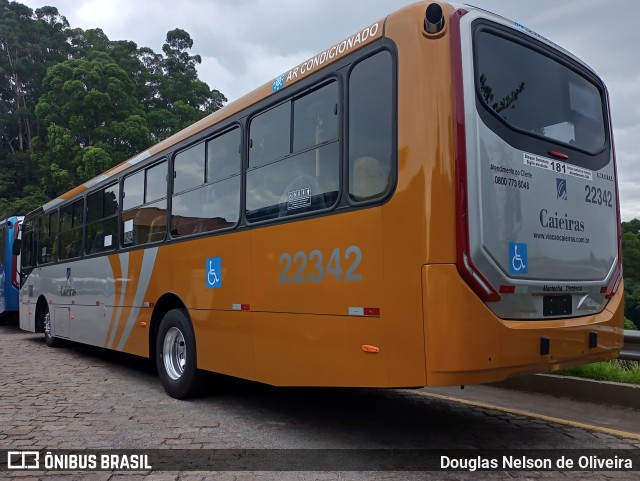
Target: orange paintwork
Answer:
pixel 432 328
pixel 467 344
pixel 74 192
pixel 117 275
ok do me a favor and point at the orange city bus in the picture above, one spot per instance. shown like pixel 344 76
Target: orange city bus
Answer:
pixel 431 201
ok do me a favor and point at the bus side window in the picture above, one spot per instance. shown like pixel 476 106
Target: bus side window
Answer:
pixel 371 128
pixel 71 226
pixel 102 220
pixel 47 238
pixel 145 206
pixel 369 178
pixel 304 179
pixel 27 256
pixel 216 204
pixel 270 135
pixel 188 168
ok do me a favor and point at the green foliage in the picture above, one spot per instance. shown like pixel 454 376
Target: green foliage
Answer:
pixel 175 96
pixel 93 161
pixel 29 43
pixel 74 103
pixel 631 269
pixel 31 199
pixel 628 324
pixel 92 119
pixel 613 371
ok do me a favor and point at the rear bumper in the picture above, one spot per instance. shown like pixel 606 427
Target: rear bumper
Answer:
pixel 467 344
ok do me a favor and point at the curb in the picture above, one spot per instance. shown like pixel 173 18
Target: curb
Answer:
pixel 602 392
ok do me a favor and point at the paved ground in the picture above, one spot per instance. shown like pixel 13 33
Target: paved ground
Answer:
pixel 78 397
pixel 578 412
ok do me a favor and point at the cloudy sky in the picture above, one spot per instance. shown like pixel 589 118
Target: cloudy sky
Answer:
pixel 246 43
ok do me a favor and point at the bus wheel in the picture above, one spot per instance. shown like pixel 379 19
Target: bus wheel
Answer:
pixel 176 355
pixel 48 337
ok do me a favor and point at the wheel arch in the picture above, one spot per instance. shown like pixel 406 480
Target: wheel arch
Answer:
pixel 167 302
pixel 41 308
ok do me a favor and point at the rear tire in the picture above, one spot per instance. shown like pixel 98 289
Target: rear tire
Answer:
pixel 176 356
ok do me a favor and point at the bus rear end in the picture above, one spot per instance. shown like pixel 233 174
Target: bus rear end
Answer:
pixel 538 234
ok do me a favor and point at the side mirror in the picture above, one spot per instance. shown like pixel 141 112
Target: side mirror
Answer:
pixel 17 247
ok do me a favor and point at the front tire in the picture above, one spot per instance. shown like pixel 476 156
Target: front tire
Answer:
pixel 176 355
pixel 48 328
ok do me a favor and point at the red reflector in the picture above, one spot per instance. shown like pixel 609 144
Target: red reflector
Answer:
pixel 507 289
pixel 245 307
pixel 560 155
pixel 371 311
pixel 603 289
pixel 372 349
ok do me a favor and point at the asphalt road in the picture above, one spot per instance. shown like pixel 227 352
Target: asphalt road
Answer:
pixel 78 397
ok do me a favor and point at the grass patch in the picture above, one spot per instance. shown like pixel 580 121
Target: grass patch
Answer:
pixel 615 371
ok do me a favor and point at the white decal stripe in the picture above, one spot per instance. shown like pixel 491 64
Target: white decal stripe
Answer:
pixel 148 261
pixel 51 204
pixel 124 268
pixel 139 158
pixel 95 181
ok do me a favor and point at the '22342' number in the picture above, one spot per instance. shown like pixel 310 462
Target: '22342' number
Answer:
pixel 353 256
pixel 598 196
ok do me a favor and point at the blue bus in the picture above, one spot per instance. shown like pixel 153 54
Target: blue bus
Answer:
pixel 9 266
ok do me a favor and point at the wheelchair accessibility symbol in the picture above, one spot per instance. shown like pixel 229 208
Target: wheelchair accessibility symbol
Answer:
pixel 214 272
pixel 518 258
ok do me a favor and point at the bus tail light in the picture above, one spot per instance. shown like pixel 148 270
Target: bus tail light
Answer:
pixel 507 289
pixel 612 288
pixel 469 272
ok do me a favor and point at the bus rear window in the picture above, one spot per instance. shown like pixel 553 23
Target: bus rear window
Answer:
pixel 535 93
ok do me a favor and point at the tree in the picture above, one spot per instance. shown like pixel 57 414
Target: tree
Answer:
pixel 167 86
pixel 29 43
pixel 175 96
pixel 631 269
pixel 93 120
pixel 73 103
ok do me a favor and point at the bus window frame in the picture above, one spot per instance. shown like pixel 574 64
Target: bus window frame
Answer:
pixel 47 214
pixel 289 95
pixel 28 233
pixel 112 182
pixel 229 125
pixel 529 141
pixel 389 46
pixel 70 203
pixel 154 162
